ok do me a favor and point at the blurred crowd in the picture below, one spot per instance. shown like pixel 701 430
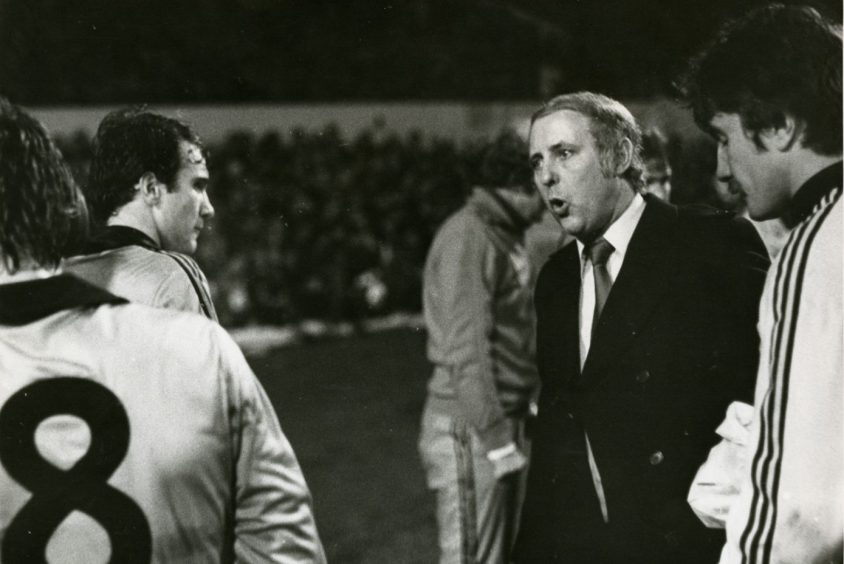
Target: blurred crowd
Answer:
pixel 320 225
pixel 313 225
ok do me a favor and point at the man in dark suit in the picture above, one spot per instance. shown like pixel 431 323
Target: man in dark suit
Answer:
pixel 646 333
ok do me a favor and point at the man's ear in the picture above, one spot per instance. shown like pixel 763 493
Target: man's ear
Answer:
pixel 623 156
pixel 150 188
pixel 784 137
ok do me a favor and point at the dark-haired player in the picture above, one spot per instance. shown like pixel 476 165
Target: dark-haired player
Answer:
pixel 768 88
pixel 148 189
pixel 127 433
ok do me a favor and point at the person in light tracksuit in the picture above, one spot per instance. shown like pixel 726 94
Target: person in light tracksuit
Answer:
pixel 478 288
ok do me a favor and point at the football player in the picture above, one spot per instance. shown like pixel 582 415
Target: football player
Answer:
pixel 127 433
pixel 148 191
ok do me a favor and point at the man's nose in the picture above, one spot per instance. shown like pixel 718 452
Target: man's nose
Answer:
pixel 206 210
pixel 546 177
pixel 722 171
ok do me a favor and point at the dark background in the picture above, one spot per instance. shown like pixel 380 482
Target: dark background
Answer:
pixel 309 220
pixel 281 51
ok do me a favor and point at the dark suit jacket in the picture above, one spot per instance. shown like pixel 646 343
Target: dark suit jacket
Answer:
pixel 675 344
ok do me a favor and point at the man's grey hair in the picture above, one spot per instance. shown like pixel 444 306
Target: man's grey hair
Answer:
pixel 610 123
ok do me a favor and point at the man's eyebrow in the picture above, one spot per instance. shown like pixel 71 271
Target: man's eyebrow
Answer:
pixel 562 146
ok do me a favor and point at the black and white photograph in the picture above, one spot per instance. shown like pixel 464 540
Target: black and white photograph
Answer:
pixel 421 282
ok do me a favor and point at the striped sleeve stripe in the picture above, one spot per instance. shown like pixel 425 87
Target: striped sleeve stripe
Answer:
pixel 198 281
pixel 761 462
pixel 759 493
pixel 757 538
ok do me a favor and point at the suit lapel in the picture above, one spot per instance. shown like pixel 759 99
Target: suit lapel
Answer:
pixel 644 277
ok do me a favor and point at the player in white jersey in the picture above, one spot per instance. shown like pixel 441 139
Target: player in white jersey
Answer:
pixel 127 434
pixel 148 192
pixel 769 89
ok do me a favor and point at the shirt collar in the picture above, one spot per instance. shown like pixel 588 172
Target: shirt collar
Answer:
pixel 811 193
pixel 116 236
pixel 31 300
pixel 620 231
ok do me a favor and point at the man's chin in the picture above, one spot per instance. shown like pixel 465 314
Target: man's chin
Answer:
pixel 759 213
pixel 571 226
pixel 185 248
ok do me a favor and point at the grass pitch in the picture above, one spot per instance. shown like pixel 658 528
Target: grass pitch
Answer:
pixel 351 409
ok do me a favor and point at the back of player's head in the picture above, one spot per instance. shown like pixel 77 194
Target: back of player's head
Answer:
pixel 773 61
pixel 610 123
pixel 130 143
pixel 41 208
pixel 504 163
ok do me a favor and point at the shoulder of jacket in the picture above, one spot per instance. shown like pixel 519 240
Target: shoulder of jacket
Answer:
pixel 559 255
pixel 716 235
pixel 710 222
pixel 704 212
pixel 554 263
pixel 463 225
pixel 180 258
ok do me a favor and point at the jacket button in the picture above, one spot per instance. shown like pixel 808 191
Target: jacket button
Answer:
pixel 643 376
pixel 656 458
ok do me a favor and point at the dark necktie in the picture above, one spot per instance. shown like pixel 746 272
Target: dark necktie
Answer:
pixel 599 252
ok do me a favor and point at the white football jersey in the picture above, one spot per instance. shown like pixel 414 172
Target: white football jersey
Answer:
pixel 132 434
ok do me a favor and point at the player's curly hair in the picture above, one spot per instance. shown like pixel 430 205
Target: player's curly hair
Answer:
pixel 42 211
pixel 773 61
pixel 130 143
pixel 610 124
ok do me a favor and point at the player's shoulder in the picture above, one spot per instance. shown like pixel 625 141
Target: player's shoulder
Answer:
pixel 828 213
pixel 461 221
pixel 819 236
pixel 157 261
pixel 171 262
pixel 461 233
pixel 157 331
pixel 180 259
pixel 165 274
pixel 140 261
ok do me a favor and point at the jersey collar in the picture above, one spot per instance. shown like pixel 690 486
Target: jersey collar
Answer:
pixel 116 236
pixel 812 192
pixel 29 301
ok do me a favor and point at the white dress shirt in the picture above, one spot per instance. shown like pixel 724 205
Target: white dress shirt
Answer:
pixel 618 235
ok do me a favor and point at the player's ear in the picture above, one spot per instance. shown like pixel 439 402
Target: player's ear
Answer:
pixel 783 137
pixel 150 188
pixel 623 156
